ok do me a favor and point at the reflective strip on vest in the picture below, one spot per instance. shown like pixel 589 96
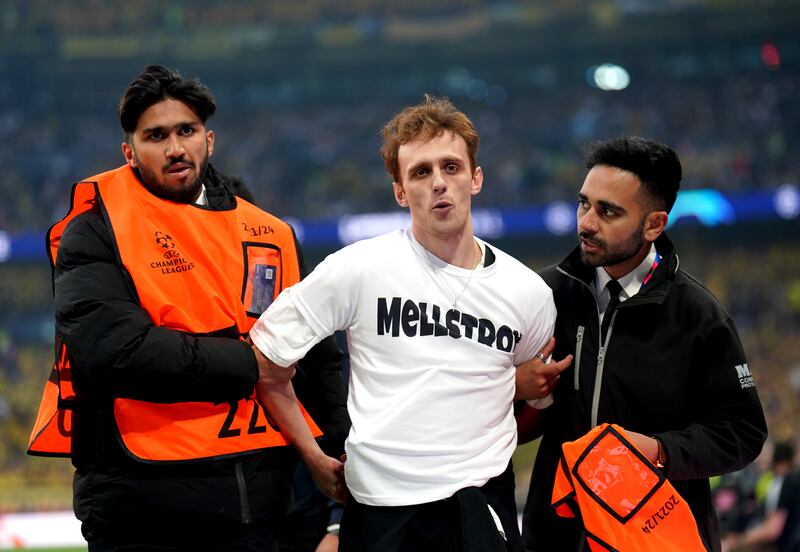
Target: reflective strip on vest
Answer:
pixel 626 504
pixel 195 270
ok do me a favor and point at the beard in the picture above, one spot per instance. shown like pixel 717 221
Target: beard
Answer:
pixel 185 193
pixel 619 253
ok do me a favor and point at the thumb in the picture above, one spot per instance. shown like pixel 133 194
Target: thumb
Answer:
pixel 556 367
pixel 547 350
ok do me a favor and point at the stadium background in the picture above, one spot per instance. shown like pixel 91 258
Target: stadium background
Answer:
pixel 303 87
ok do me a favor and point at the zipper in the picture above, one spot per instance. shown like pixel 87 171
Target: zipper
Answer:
pixel 598 378
pixel 244 503
pixel 601 362
pixel 578 348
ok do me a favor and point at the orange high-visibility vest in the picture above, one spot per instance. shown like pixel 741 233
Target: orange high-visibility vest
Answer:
pixel 625 502
pixel 197 271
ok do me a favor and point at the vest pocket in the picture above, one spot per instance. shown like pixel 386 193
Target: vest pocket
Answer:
pixel 262 281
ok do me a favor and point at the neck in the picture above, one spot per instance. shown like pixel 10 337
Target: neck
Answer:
pixel 458 250
pixel 617 271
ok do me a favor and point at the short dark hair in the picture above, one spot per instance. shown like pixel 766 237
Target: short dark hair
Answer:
pixel 157 83
pixel 656 165
pixel 430 119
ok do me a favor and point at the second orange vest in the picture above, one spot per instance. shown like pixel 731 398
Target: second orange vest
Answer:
pixel 625 502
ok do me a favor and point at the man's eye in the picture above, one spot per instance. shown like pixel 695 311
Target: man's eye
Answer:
pixel 186 131
pixel 155 136
pixel 451 168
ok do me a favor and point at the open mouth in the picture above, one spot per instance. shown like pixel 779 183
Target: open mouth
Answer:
pixel 179 169
pixel 442 206
pixel 590 246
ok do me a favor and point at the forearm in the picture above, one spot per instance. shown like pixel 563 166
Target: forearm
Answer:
pixel 727 429
pixel 320 387
pixel 529 423
pixel 280 401
pixel 710 449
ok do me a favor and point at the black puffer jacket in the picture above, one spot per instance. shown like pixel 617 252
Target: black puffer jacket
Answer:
pixel 673 368
pixel 116 351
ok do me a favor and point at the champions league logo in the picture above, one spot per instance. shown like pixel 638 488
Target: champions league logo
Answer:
pixel 165 240
pixel 173 262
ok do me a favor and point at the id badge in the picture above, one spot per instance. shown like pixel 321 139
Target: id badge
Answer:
pixel 262 279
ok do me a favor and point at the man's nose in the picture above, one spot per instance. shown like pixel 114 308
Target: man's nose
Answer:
pixel 439 183
pixel 175 147
pixel 587 222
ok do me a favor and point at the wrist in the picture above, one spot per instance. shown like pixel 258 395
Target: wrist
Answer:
pixel 661 457
pixel 541 404
pixel 311 454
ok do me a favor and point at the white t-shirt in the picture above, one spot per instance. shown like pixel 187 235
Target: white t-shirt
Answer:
pixel 431 387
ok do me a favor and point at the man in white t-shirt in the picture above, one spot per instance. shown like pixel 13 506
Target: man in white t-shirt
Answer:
pixel 436 321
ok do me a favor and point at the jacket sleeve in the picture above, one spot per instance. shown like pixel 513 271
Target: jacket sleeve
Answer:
pixel 113 345
pixel 729 428
pixel 320 387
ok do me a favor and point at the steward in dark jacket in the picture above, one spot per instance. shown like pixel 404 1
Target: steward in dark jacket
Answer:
pixel 669 371
pixel 670 368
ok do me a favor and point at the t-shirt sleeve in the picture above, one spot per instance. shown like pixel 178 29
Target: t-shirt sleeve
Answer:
pixel 540 322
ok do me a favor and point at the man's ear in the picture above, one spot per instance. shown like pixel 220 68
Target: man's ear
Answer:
pixel 477 181
pixel 399 194
pixel 129 154
pixel 210 142
pixel 655 223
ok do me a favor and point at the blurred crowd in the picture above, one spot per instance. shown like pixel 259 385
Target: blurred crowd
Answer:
pixel 314 161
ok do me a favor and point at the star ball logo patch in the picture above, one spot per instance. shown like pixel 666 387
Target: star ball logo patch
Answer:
pixel 164 240
pixel 173 262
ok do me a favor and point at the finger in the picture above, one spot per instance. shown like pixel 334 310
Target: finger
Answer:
pixel 547 350
pixel 556 367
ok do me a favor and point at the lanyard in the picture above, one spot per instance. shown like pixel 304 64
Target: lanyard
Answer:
pixel 652 269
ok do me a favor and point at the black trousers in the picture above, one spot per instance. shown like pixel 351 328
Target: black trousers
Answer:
pixel 432 527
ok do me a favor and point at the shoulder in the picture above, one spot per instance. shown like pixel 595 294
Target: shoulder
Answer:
pixel 692 296
pixel 251 211
pixel 371 249
pixel 86 237
pixel 518 275
pixel 551 276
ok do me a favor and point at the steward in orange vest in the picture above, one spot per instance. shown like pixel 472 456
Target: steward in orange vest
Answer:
pixel 156 407
pixel 171 271
pixel 626 504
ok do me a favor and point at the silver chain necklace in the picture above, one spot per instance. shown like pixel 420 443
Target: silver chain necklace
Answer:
pixel 475 262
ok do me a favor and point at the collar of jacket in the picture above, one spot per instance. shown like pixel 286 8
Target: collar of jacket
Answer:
pixel 656 289
pixel 219 196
